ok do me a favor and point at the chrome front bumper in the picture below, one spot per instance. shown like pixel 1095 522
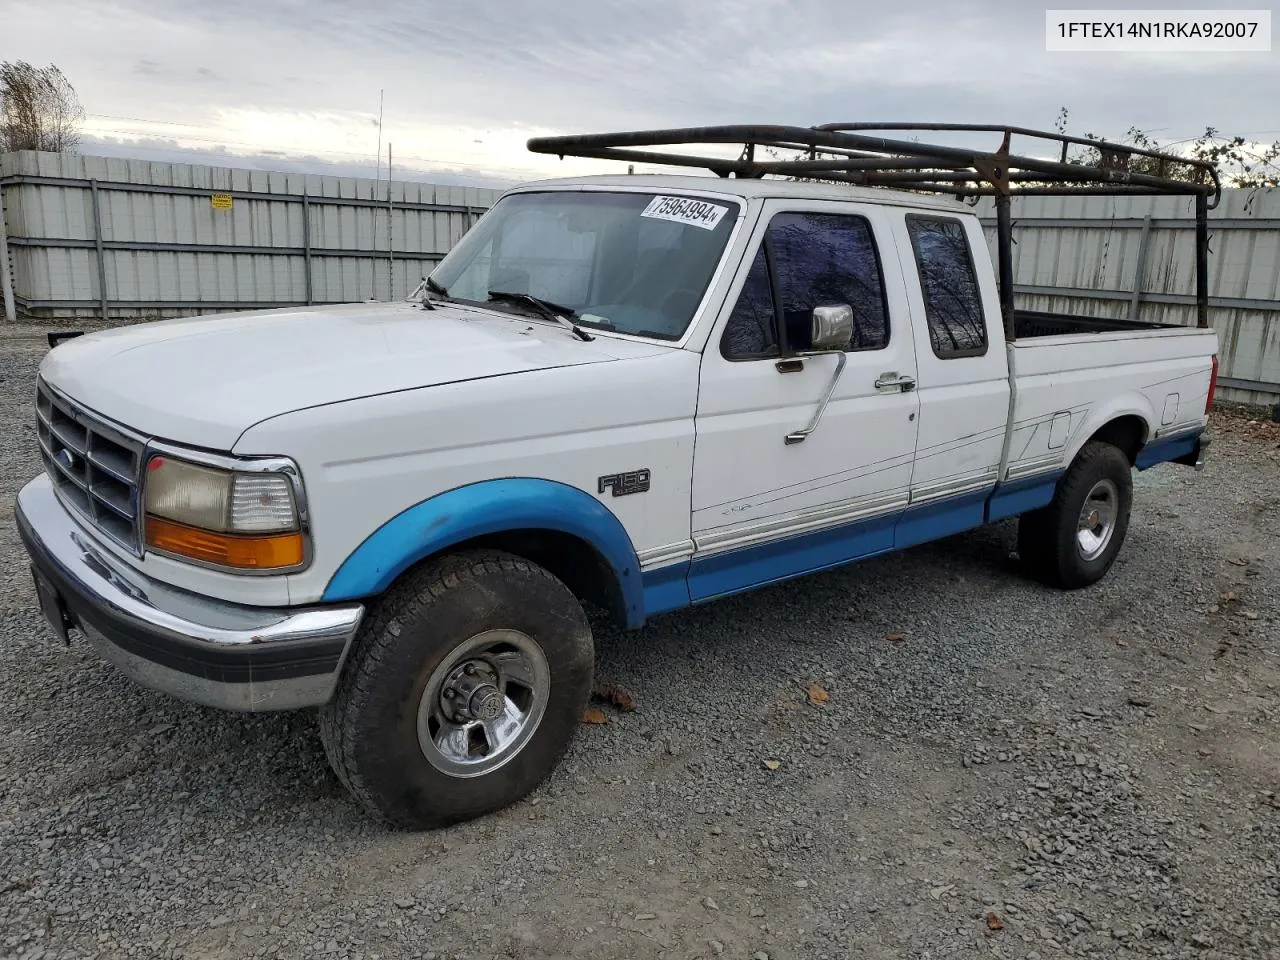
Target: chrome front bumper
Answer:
pixel 196 648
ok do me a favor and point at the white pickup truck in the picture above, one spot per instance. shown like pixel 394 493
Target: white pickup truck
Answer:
pixel 635 392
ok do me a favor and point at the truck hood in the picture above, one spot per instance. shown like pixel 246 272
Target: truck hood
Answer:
pixel 203 381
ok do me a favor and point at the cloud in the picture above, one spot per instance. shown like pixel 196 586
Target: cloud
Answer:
pixel 467 84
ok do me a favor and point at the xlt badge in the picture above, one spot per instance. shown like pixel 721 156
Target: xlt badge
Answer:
pixel 633 481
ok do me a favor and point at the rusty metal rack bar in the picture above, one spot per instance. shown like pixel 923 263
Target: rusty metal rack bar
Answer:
pixel 854 153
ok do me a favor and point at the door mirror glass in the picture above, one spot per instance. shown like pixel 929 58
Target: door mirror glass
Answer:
pixel 832 328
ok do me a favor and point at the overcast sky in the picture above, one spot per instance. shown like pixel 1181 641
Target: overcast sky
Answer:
pixel 294 83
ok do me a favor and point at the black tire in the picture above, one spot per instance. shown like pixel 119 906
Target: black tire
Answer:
pixel 1048 544
pixel 370 727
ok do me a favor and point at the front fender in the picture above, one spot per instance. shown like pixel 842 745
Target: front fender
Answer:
pixel 484 508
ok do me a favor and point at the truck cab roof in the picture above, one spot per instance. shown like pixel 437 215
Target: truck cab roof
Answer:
pixel 749 188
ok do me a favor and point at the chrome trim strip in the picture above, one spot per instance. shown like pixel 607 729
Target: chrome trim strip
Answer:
pixel 1025 468
pixel 1188 427
pixel 660 556
pixel 953 486
pixel 804 521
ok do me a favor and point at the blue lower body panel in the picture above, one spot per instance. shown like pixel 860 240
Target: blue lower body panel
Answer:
pixel 942 518
pixel 739 570
pixel 666 588
pixel 1182 447
pixel 745 569
pixel 1019 496
pixel 736 571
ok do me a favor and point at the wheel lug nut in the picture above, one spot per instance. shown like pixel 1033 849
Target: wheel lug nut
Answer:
pixel 449 694
pixel 470 668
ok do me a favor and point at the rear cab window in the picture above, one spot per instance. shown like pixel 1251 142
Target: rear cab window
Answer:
pixel 949 286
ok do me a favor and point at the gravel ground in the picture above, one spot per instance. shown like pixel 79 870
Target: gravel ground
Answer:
pixel 999 770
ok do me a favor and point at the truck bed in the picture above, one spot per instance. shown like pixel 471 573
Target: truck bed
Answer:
pixel 1033 323
pixel 1155 379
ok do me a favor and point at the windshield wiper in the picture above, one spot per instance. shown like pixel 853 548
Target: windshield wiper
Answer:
pixel 552 311
pixel 429 284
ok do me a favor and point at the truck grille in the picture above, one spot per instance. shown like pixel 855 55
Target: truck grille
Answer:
pixel 95 467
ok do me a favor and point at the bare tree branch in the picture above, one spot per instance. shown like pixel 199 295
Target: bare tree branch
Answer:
pixel 39 109
pixel 1241 162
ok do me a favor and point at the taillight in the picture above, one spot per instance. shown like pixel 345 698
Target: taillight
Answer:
pixel 1213 386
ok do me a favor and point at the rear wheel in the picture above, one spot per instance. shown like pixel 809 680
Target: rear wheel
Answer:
pixel 1074 541
pixel 462 691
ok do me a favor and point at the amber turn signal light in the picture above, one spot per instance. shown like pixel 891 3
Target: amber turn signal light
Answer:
pixel 223 549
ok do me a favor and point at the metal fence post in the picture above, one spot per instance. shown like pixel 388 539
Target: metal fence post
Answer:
pixel 6 282
pixel 1139 272
pixel 306 245
pixel 97 244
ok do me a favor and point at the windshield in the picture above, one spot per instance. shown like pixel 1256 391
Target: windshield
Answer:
pixel 636 263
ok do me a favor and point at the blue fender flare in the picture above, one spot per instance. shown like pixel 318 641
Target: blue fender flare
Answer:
pixel 480 509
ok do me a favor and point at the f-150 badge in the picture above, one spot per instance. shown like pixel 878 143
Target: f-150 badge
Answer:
pixel 633 481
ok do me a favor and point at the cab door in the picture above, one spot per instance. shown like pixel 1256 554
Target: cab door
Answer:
pixel 804 461
pixel 964 388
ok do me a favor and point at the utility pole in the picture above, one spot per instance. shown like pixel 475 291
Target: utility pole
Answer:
pixel 377 179
pixel 391 263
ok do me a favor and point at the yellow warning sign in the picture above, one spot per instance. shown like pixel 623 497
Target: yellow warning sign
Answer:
pixel 221 201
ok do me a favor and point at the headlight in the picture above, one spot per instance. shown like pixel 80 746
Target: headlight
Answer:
pixel 228 518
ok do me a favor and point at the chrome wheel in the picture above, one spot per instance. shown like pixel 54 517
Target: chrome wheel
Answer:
pixel 483 703
pixel 1097 521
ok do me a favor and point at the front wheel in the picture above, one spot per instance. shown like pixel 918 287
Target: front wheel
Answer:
pixel 1073 541
pixel 461 692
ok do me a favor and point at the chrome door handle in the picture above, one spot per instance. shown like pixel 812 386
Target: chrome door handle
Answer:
pixel 891 382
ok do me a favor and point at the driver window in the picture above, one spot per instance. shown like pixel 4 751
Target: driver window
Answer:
pixel 751 333
pixel 819 259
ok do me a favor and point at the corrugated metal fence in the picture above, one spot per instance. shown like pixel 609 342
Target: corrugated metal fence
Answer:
pixel 95 237
pixel 1134 257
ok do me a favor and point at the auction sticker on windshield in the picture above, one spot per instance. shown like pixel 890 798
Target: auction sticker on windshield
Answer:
pixel 697 213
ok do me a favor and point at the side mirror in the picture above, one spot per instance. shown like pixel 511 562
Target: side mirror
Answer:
pixel 832 328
